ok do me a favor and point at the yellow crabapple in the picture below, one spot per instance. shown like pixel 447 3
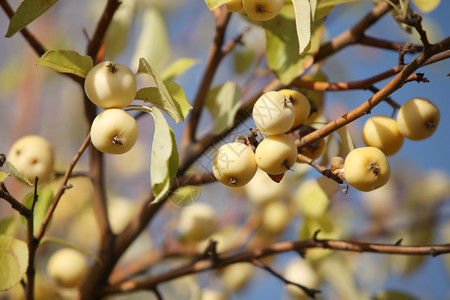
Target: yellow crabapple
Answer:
pixel 114 131
pixel 301 271
pixel 110 85
pixel 197 222
pixel 234 5
pixel 302 107
pixel 366 168
pixel 67 267
pixel 276 154
pixel 234 164
pixel 382 132
pixel 262 189
pixel 262 10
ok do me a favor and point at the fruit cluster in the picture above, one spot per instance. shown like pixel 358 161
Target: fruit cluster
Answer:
pixel 112 86
pixel 367 168
pixel 274 113
pixel 259 10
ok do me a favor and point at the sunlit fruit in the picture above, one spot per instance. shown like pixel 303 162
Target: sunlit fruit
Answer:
pixel 110 85
pixel 234 6
pixel 197 222
pixel 32 155
pixel 312 150
pixel 262 189
pixel 275 217
pixel 234 164
pixel 301 271
pixel 276 154
pixel 114 131
pixel 366 168
pixel 302 107
pixel 67 267
pixel 382 132
pixel 418 119
pixel 273 113
pixel 262 10
pixel 235 276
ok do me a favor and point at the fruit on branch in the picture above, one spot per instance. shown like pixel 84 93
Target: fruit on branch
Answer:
pixel 197 222
pixel 314 149
pixel 114 131
pixel 302 107
pixel 366 168
pixel 67 267
pixel 418 119
pixel 210 294
pixel 300 271
pixel 237 275
pixel 262 189
pixel 110 85
pixel 276 154
pixel 275 217
pixel 382 132
pixel 234 164
pixel 273 113
pixel 32 155
pixel 234 6
pixel 262 10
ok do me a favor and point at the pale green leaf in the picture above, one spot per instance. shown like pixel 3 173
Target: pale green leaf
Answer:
pixel 213 4
pixel 313 4
pixel 49 239
pixel 4 224
pixel 16 174
pixel 312 199
pixel 347 143
pixel 181 102
pixel 44 200
pixel 27 12
pixel 164 157
pixel 161 96
pixel 67 61
pixel 243 59
pixel 302 9
pixel 322 10
pixel 117 34
pixel 393 295
pixel 282 56
pixel 223 102
pixel 153 42
pixel 3 176
pixel 178 67
pixel 185 196
pixel 426 6
pixel 13 261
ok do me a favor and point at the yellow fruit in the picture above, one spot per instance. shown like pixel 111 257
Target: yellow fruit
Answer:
pixel 262 10
pixel 234 164
pixel 234 6
pixel 301 271
pixel 197 222
pixel 382 132
pixel 366 168
pixel 262 189
pixel 302 107
pixel 67 267
pixel 276 154
pixel 418 119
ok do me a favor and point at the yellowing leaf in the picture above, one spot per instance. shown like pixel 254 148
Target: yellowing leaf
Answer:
pixel 3 176
pixel 67 61
pixel 282 56
pixel 16 174
pixel 302 9
pixel 347 143
pixel 178 67
pixel 27 12
pixel 164 158
pixel 213 4
pixel 45 198
pixel 4 224
pixel 185 196
pixel 13 261
pixel 176 107
pixel 117 34
pixel 223 102
pixel 426 6
pixel 312 199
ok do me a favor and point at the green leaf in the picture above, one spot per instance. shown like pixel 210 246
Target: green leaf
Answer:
pixel 16 174
pixel 312 199
pixel 185 195
pixel 117 34
pixel 302 10
pixel 27 12
pixel 13 261
pixel 3 176
pixel 426 6
pixel 178 67
pixel 347 143
pixel 49 239
pixel 393 295
pixel 67 61
pixel 164 158
pixel 45 199
pixel 160 96
pixel 322 10
pixel 4 224
pixel 213 4
pixel 282 57
pixel 223 102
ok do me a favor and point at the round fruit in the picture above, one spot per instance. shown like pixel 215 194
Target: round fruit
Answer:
pixel 382 132
pixel 234 6
pixel 110 85
pixel 302 272
pixel 418 119
pixel 197 222
pixel 262 10
pixel 234 164
pixel 302 107
pixel 275 217
pixel 366 168
pixel 276 154
pixel 32 155
pixel 114 131
pixel 314 149
pixel 262 189
pixel 67 267
pixel 273 113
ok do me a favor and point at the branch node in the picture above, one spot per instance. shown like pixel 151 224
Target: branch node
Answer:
pixel 316 233
pixel 399 242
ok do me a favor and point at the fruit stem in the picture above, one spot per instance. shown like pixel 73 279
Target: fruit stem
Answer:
pixel 112 68
pixel 373 166
pixel 116 140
